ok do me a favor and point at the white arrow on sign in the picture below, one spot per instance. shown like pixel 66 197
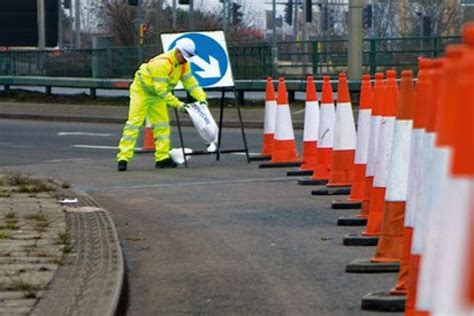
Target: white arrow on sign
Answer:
pixel 210 69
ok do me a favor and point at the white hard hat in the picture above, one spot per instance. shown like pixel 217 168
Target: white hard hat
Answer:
pixel 186 47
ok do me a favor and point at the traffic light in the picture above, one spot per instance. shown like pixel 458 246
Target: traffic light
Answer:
pixel 236 13
pixel 143 30
pixel 367 16
pixel 132 2
pixel 289 12
pixel 309 11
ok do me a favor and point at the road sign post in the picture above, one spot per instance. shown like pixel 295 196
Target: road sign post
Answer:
pixel 211 67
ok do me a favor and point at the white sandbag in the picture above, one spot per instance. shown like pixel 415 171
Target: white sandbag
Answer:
pixel 203 122
pixel 177 156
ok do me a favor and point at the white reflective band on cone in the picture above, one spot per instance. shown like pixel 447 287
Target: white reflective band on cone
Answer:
pixel 448 296
pixel 311 121
pixel 384 147
pixel 363 135
pixel 270 116
pixel 345 135
pixel 373 142
pixel 434 230
pixel 423 199
pixel 413 176
pixel 326 126
pixel 397 184
pixel 284 126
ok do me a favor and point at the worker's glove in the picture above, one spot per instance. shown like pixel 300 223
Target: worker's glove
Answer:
pixel 183 107
pixel 204 102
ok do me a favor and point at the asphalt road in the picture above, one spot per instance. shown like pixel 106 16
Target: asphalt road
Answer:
pixel 217 238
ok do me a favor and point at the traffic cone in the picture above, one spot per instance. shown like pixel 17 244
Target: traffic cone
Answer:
pixel 389 247
pixel 311 126
pixel 284 152
pixel 388 251
pixel 425 197
pixel 148 139
pixel 378 103
pixel 419 120
pixel 269 123
pixel 363 130
pixel 378 100
pixel 310 133
pixel 342 170
pixel 324 151
pixel 384 149
pixel 410 262
pixel 441 199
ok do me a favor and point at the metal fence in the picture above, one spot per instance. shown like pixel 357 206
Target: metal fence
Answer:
pixel 249 61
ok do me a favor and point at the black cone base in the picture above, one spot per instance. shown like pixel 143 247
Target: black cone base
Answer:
pixel 383 302
pixel 346 205
pixel 366 266
pixel 351 221
pixel 279 165
pixel 298 173
pixel 332 191
pixel 359 240
pixel 260 158
pixel 312 182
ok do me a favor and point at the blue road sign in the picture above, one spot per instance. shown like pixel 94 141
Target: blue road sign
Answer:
pixel 211 65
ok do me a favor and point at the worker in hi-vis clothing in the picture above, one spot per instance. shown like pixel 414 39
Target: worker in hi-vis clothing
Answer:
pixel 151 93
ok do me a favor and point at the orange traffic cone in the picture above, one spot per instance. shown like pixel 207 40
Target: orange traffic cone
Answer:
pixel 324 151
pixel 342 170
pixel 384 148
pixel 443 190
pixel 284 152
pixel 424 199
pixel 269 121
pixel 390 242
pixel 148 139
pixel 311 126
pixel 375 120
pixel 363 134
pixel 419 118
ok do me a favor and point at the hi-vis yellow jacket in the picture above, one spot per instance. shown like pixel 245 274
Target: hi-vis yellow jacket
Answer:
pixel 160 76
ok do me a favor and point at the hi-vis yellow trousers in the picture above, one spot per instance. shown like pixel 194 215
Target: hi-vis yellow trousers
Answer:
pixel 142 105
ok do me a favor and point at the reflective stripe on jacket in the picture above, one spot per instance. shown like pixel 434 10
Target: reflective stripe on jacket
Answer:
pixel 161 75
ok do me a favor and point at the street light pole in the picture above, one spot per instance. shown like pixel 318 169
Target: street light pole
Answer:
pixel 355 39
pixel 41 24
pixel 77 23
pixel 274 43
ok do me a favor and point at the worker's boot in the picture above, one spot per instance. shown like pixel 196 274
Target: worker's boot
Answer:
pixel 122 165
pixel 165 163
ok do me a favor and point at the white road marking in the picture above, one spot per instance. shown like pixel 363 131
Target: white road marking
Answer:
pixel 84 134
pixel 66 160
pixel 95 147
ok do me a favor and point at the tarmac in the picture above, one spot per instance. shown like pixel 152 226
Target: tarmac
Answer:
pixel 74 264
pixel 252 118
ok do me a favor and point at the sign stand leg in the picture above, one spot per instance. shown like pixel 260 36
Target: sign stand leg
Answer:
pixel 241 122
pixel 221 118
pixel 180 136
